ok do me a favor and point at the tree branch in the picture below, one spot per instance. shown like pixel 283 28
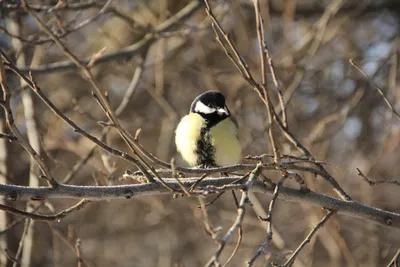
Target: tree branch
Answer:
pixel 208 185
pixel 126 52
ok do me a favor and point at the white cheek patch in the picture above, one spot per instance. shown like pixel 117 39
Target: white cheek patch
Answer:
pixel 201 108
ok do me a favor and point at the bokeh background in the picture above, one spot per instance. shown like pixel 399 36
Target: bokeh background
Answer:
pixel 332 109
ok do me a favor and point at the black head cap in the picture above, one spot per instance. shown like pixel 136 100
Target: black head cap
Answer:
pixel 211 106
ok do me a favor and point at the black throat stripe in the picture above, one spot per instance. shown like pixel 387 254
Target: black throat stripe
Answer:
pixel 205 150
pixel 212 119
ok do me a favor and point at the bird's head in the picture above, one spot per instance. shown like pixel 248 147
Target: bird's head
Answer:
pixel 211 106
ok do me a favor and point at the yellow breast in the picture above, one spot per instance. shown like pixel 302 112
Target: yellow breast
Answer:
pixel 223 137
pixel 187 134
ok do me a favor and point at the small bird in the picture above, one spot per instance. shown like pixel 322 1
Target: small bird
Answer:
pixel 208 135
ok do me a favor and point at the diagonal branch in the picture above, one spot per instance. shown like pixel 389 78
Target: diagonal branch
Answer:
pixel 244 70
pixel 355 65
pixel 268 238
pixel 241 210
pixel 103 101
pixel 73 125
pixel 292 258
pixel 129 51
pixel 5 103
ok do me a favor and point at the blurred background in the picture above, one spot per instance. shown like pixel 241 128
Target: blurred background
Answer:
pixel 332 109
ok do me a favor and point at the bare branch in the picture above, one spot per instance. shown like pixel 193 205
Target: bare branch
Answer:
pixel 371 183
pixel 263 95
pixel 5 103
pixel 263 54
pixel 124 103
pixel 268 238
pixel 10 257
pixel 95 193
pixel 126 52
pixel 40 217
pixel 355 65
pixel 239 219
pixel 395 261
pixel 78 244
pixel 291 260
pixel 75 127
pixel 21 243
pixel 10 137
pixel 103 101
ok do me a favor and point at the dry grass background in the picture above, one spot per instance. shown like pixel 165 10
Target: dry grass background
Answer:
pixel 332 109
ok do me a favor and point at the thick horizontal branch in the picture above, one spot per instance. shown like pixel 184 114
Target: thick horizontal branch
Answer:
pixel 95 193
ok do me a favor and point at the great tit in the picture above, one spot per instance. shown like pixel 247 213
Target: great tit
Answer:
pixel 208 135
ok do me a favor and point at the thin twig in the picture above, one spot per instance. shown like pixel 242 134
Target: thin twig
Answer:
pixel 292 258
pixel 124 103
pixel 17 26
pixel 259 210
pixel 74 126
pixel 5 103
pixel 264 245
pixel 174 175
pixel 240 234
pixel 298 179
pixel 34 39
pixel 10 257
pixel 235 58
pixel 276 83
pixel 207 225
pixel 198 181
pixel 18 221
pixel 372 183
pixel 21 244
pixel 324 173
pixel 103 99
pixel 69 244
pixel 4 179
pixel 104 103
pixel 263 55
pixel 78 244
pixel 244 70
pixel 354 64
pixel 40 217
pixel 395 261
pixel 10 137
pixel 126 52
pixel 239 219
pixel 132 86
pixel 212 201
